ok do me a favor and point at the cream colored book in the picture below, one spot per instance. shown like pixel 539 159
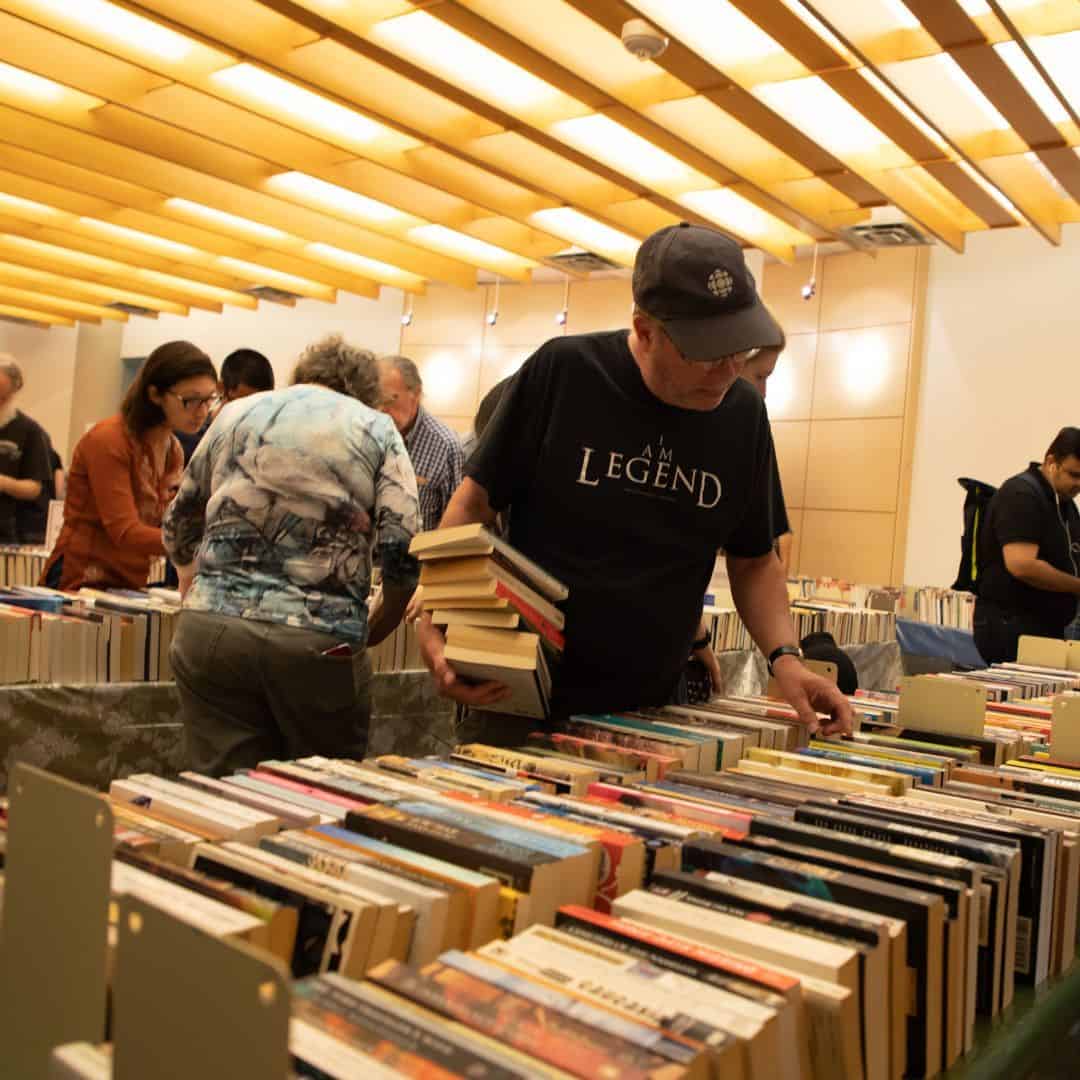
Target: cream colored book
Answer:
pixel 637 988
pixel 893 783
pixel 828 973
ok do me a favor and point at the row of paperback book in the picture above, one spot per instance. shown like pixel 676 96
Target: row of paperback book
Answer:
pixel 942 607
pixel 848 625
pixel 24 564
pixel 703 891
pixel 91 636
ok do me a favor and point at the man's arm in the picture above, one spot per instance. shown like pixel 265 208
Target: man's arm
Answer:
pixel 467 505
pixel 23 490
pixel 386 612
pixel 1022 561
pixel 784 544
pixel 759 589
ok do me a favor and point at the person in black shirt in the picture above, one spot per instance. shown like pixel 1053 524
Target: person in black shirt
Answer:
pixel 627 461
pixel 757 372
pixel 25 472
pixel 1029 553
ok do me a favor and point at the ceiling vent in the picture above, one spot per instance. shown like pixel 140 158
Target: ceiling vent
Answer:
pixel 133 309
pixel 273 296
pixel 580 262
pixel 886 235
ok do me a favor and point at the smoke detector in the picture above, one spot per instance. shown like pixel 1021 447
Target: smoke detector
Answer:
pixel 643 39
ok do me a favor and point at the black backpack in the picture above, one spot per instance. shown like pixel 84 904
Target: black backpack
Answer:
pixel 976 503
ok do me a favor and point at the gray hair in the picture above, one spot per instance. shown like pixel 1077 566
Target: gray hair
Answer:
pixel 409 372
pixel 12 370
pixel 342 367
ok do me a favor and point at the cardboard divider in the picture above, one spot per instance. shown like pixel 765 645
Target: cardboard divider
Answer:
pixel 188 1005
pixel 1044 652
pixel 54 925
pixel 825 668
pixel 947 705
pixel 1065 732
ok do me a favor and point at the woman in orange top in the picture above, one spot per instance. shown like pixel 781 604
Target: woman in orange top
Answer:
pixel 125 472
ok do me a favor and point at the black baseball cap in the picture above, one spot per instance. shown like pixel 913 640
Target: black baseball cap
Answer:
pixel 695 281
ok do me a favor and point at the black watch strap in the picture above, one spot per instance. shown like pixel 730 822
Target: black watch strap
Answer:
pixel 701 643
pixel 783 650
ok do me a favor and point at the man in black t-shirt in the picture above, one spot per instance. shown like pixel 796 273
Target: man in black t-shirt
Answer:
pixel 627 461
pixel 25 469
pixel 1029 553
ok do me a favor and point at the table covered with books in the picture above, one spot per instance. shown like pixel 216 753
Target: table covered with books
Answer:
pixel 689 893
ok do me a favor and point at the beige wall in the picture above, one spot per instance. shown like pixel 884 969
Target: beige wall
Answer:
pixel 47 359
pixel 461 357
pixel 843 401
pixel 98 375
pixel 1002 377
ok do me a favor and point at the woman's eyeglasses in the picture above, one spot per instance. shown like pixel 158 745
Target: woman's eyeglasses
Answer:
pixel 194 402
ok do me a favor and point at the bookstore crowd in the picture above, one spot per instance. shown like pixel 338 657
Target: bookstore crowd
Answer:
pixel 604 874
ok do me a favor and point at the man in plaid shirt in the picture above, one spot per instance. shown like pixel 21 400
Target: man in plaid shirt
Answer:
pixel 434 449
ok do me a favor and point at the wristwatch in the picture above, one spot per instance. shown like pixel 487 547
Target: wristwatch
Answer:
pixel 701 643
pixel 783 650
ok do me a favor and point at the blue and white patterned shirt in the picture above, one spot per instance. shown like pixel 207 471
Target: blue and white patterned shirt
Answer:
pixel 288 498
pixel 438 461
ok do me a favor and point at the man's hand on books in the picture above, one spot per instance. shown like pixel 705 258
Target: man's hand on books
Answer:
pixel 432 643
pixel 810 694
pixel 416 605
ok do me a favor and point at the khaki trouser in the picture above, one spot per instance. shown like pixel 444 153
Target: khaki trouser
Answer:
pixel 252 691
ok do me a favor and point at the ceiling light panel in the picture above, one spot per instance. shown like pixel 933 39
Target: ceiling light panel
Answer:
pixel 570 224
pixel 338 200
pixel 1060 55
pixel 137 238
pixel 558 30
pixel 19 85
pixel 468 249
pixel 456 57
pixel 1028 76
pixel 133 32
pixel 724 36
pixel 939 87
pixel 283 99
pixel 822 114
pixel 729 210
pixel 241 227
pixel 617 146
pixel 361 264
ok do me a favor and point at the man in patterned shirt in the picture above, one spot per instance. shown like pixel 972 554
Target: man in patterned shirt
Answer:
pixel 283 507
pixel 435 451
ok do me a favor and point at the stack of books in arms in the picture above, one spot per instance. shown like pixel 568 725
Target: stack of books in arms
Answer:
pixel 91 636
pixel 685 892
pixel 482 589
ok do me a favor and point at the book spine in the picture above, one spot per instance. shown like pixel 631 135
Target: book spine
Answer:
pixel 442 841
pixel 566 1043
pixel 533 619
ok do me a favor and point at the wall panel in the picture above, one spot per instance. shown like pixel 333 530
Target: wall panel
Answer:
pixel 860 289
pixel 856 542
pixel 792 441
pixel 861 372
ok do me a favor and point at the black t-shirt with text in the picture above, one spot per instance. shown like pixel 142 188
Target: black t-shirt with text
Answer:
pixel 626 500
pixel 24 455
pixel 1025 509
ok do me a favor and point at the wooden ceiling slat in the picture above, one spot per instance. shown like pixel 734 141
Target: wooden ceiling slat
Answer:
pixel 951 176
pixel 76 286
pixel 956 32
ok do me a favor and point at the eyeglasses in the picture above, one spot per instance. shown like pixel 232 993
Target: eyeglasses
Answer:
pixel 193 402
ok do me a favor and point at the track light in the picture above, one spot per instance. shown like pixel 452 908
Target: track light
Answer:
pixel 492 316
pixel 407 314
pixel 561 316
pixel 809 290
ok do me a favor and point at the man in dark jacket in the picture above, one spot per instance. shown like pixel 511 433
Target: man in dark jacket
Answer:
pixel 1029 553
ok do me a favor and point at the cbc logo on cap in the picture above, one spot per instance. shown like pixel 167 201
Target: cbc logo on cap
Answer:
pixel 721 283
